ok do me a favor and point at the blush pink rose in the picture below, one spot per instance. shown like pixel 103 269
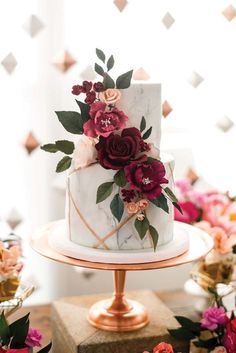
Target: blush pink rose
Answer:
pixel 163 348
pixel 110 96
pixel 190 212
pixel 104 121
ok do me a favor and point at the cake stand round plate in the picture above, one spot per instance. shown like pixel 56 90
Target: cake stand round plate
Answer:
pixel 119 314
pixel 199 244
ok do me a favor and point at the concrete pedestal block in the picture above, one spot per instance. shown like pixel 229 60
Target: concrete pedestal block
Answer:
pixel 73 334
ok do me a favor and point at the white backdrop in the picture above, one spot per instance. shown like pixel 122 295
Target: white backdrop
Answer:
pixel 200 40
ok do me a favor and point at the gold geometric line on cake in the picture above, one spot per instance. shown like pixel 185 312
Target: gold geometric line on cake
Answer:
pixel 100 240
pixel 120 4
pixel 229 12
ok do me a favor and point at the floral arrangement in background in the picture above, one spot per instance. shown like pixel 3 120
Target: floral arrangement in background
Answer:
pixel 10 268
pixel 215 213
pixel 139 177
pixel 216 332
pixel 19 337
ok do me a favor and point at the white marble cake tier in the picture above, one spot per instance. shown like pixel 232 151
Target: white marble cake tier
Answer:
pixel 60 242
pixel 143 99
pixel 89 224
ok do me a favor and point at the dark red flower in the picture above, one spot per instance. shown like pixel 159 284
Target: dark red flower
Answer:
pixel 128 195
pixel 144 146
pixel 98 87
pixel 90 97
pixel 229 340
pixel 87 86
pixel 146 177
pixel 103 122
pixel 117 151
pixel 77 89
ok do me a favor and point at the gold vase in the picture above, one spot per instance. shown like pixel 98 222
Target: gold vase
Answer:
pixel 8 288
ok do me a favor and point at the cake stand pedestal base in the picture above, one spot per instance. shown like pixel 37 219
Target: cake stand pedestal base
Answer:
pixel 72 333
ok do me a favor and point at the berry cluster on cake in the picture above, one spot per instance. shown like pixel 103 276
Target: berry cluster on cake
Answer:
pixel 119 186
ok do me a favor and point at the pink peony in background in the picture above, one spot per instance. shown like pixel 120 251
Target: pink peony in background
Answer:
pixel 213 317
pixel 34 338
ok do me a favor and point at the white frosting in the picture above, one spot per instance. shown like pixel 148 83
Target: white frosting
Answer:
pixel 143 100
pixel 85 217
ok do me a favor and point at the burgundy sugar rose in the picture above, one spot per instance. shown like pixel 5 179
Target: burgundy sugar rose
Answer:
pixel 77 89
pixel 146 177
pixel 98 87
pixel 103 122
pixel 117 151
pixel 87 86
pixel 128 195
pixel 90 97
pixel 229 340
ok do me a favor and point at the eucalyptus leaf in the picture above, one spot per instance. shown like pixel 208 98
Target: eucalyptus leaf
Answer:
pixel 142 227
pixel 176 205
pixel 18 340
pixel 71 121
pixel 110 63
pixel 143 124
pixel 99 70
pixel 84 110
pixel 64 164
pixel 195 327
pixel 120 179
pixel 100 54
pixel 161 202
pixel 182 333
pixel 147 133
pixel 65 146
pixel 154 235
pixel 104 191
pixel 49 147
pixel 117 207
pixel 123 81
pixel 108 81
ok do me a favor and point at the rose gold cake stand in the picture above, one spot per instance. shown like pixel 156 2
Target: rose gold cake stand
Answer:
pixel 118 314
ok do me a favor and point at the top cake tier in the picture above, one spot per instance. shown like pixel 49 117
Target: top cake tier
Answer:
pixel 143 100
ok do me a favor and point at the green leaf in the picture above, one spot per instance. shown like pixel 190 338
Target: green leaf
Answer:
pixel 147 133
pixel 123 81
pixel 5 334
pixel 21 332
pixel 49 147
pixel 46 349
pixel 64 164
pixel 117 207
pixel 209 344
pixel 84 110
pixel 176 205
pixel 71 121
pixel 161 202
pixel 108 81
pixel 171 195
pixel 143 124
pixel 182 333
pixel 99 70
pixel 142 227
pixel 110 63
pixel 120 179
pixel 154 234
pixel 104 190
pixel 194 327
pixel 65 146
pixel 100 54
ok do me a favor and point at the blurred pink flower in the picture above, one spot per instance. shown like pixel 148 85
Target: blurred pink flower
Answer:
pixel 190 212
pixel 184 186
pixel 34 338
pixel 212 317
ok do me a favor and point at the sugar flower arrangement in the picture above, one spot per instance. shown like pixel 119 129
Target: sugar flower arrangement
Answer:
pixel 19 337
pixel 216 332
pixel 139 173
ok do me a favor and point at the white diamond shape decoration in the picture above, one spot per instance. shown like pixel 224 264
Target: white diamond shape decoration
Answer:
pixel 195 79
pixel 13 218
pixel 168 20
pixel 9 63
pixel 33 26
pixel 225 124
pixel 88 73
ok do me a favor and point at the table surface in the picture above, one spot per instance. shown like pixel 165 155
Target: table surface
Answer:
pixel 178 301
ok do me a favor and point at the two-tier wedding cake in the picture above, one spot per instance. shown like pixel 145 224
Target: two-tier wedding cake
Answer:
pixel 119 195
